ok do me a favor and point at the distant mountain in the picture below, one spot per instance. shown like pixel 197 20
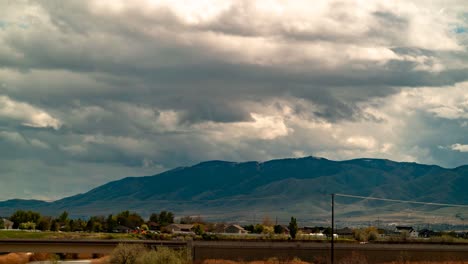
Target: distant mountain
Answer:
pixel 247 191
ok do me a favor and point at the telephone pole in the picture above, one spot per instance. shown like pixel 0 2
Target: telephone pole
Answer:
pixel 332 254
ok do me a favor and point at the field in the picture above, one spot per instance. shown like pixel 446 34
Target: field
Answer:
pixel 62 235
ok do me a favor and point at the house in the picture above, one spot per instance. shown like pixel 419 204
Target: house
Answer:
pixel 427 233
pixel 121 229
pixel 283 229
pixel 235 229
pixel 220 228
pixel 7 224
pixel 179 228
pixel 408 229
pixel 345 232
pixel 153 226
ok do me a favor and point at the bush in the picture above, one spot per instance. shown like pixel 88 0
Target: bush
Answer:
pixel 164 256
pixel 138 254
pixel 126 253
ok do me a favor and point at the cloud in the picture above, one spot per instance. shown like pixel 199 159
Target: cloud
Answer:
pixel 27 114
pixel 91 91
pixel 460 147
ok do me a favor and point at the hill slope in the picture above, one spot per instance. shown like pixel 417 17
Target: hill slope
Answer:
pixel 221 190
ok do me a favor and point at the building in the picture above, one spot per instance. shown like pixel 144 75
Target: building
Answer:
pixel 235 229
pixel 121 229
pixel 406 229
pixel 179 228
pixel 7 224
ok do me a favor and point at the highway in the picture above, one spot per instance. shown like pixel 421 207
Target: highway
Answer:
pixel 254 250
pixel 77 246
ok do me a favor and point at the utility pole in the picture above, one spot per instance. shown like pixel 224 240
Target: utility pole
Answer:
pixel 332 255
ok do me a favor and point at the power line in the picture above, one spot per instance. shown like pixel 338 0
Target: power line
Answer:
pixel 401 201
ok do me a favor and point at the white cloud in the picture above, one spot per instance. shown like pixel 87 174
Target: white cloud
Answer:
pixel 143 85
pixel 460 147
pixel 27 114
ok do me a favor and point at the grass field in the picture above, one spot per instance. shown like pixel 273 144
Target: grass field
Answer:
pixel 62 235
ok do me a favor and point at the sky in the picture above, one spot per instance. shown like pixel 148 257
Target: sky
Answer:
pixel 92 91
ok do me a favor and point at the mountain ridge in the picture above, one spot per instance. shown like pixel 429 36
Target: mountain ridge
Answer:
pixel 233 190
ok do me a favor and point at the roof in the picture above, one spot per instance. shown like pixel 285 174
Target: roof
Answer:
pixel 404 227
pixel 236 226
pixel 121 227
pixel 7 222
pixel 181 226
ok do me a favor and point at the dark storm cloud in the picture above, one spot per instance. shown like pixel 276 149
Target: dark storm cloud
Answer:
pixel 168 71
pixel 92 91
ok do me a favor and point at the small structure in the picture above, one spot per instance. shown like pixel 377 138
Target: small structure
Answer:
pixel 121 229
pixel 153 225
pixel 406 229
pixel 179 228
pixel 345 232
pixel 7 224
pixel 220 228
pixel 235 229
pixel 426 233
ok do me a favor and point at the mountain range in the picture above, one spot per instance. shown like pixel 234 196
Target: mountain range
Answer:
pixel 277 189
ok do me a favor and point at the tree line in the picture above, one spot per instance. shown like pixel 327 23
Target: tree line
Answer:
pixel 30 220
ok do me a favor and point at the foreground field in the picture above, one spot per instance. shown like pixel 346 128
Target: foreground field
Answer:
pixel 24 258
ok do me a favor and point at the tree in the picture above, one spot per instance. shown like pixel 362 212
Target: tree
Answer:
pixel 95 224
pixel 111 223
pixel 199 229
pixel 64 222
pixel 21 216
pixel 27 226
pixel 63 218
pixel 191 220
pixel 293 227
pixel 166 218
pixel 128 219
pixel 44 223
pixel 154 217
pixel 258 229
pixel 54 225
pixel 2 225
pixel 278 229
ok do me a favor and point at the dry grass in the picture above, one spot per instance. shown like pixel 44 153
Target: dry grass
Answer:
pixel 103 260
pixel 14 258
pixel 428 262
pixel 270 261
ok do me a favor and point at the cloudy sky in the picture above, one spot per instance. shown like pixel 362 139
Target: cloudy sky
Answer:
pixel 92 91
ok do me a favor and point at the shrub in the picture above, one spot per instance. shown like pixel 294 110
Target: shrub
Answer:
pixel 127 253
pixel 138 254
pixel 164 256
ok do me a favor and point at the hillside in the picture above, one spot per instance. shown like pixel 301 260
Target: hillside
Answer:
pixel 223 190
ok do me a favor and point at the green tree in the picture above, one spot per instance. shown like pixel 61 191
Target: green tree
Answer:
pixel 63 218
pixel 154 217
pixel 293 227
pixel 27 226
pixel 166 218
pixel 44 223
pixel 64 222
pixel 111 223
pixel 128 219
pixel 95 224
pixel 278 229
pixel 54 225
pixel 21 216
pixel 2 225
pixel 258 229
pixel 199 229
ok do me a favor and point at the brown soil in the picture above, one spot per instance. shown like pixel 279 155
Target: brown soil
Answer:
pixel 14 258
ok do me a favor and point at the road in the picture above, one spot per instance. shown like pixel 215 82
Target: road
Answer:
pixel 254 250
